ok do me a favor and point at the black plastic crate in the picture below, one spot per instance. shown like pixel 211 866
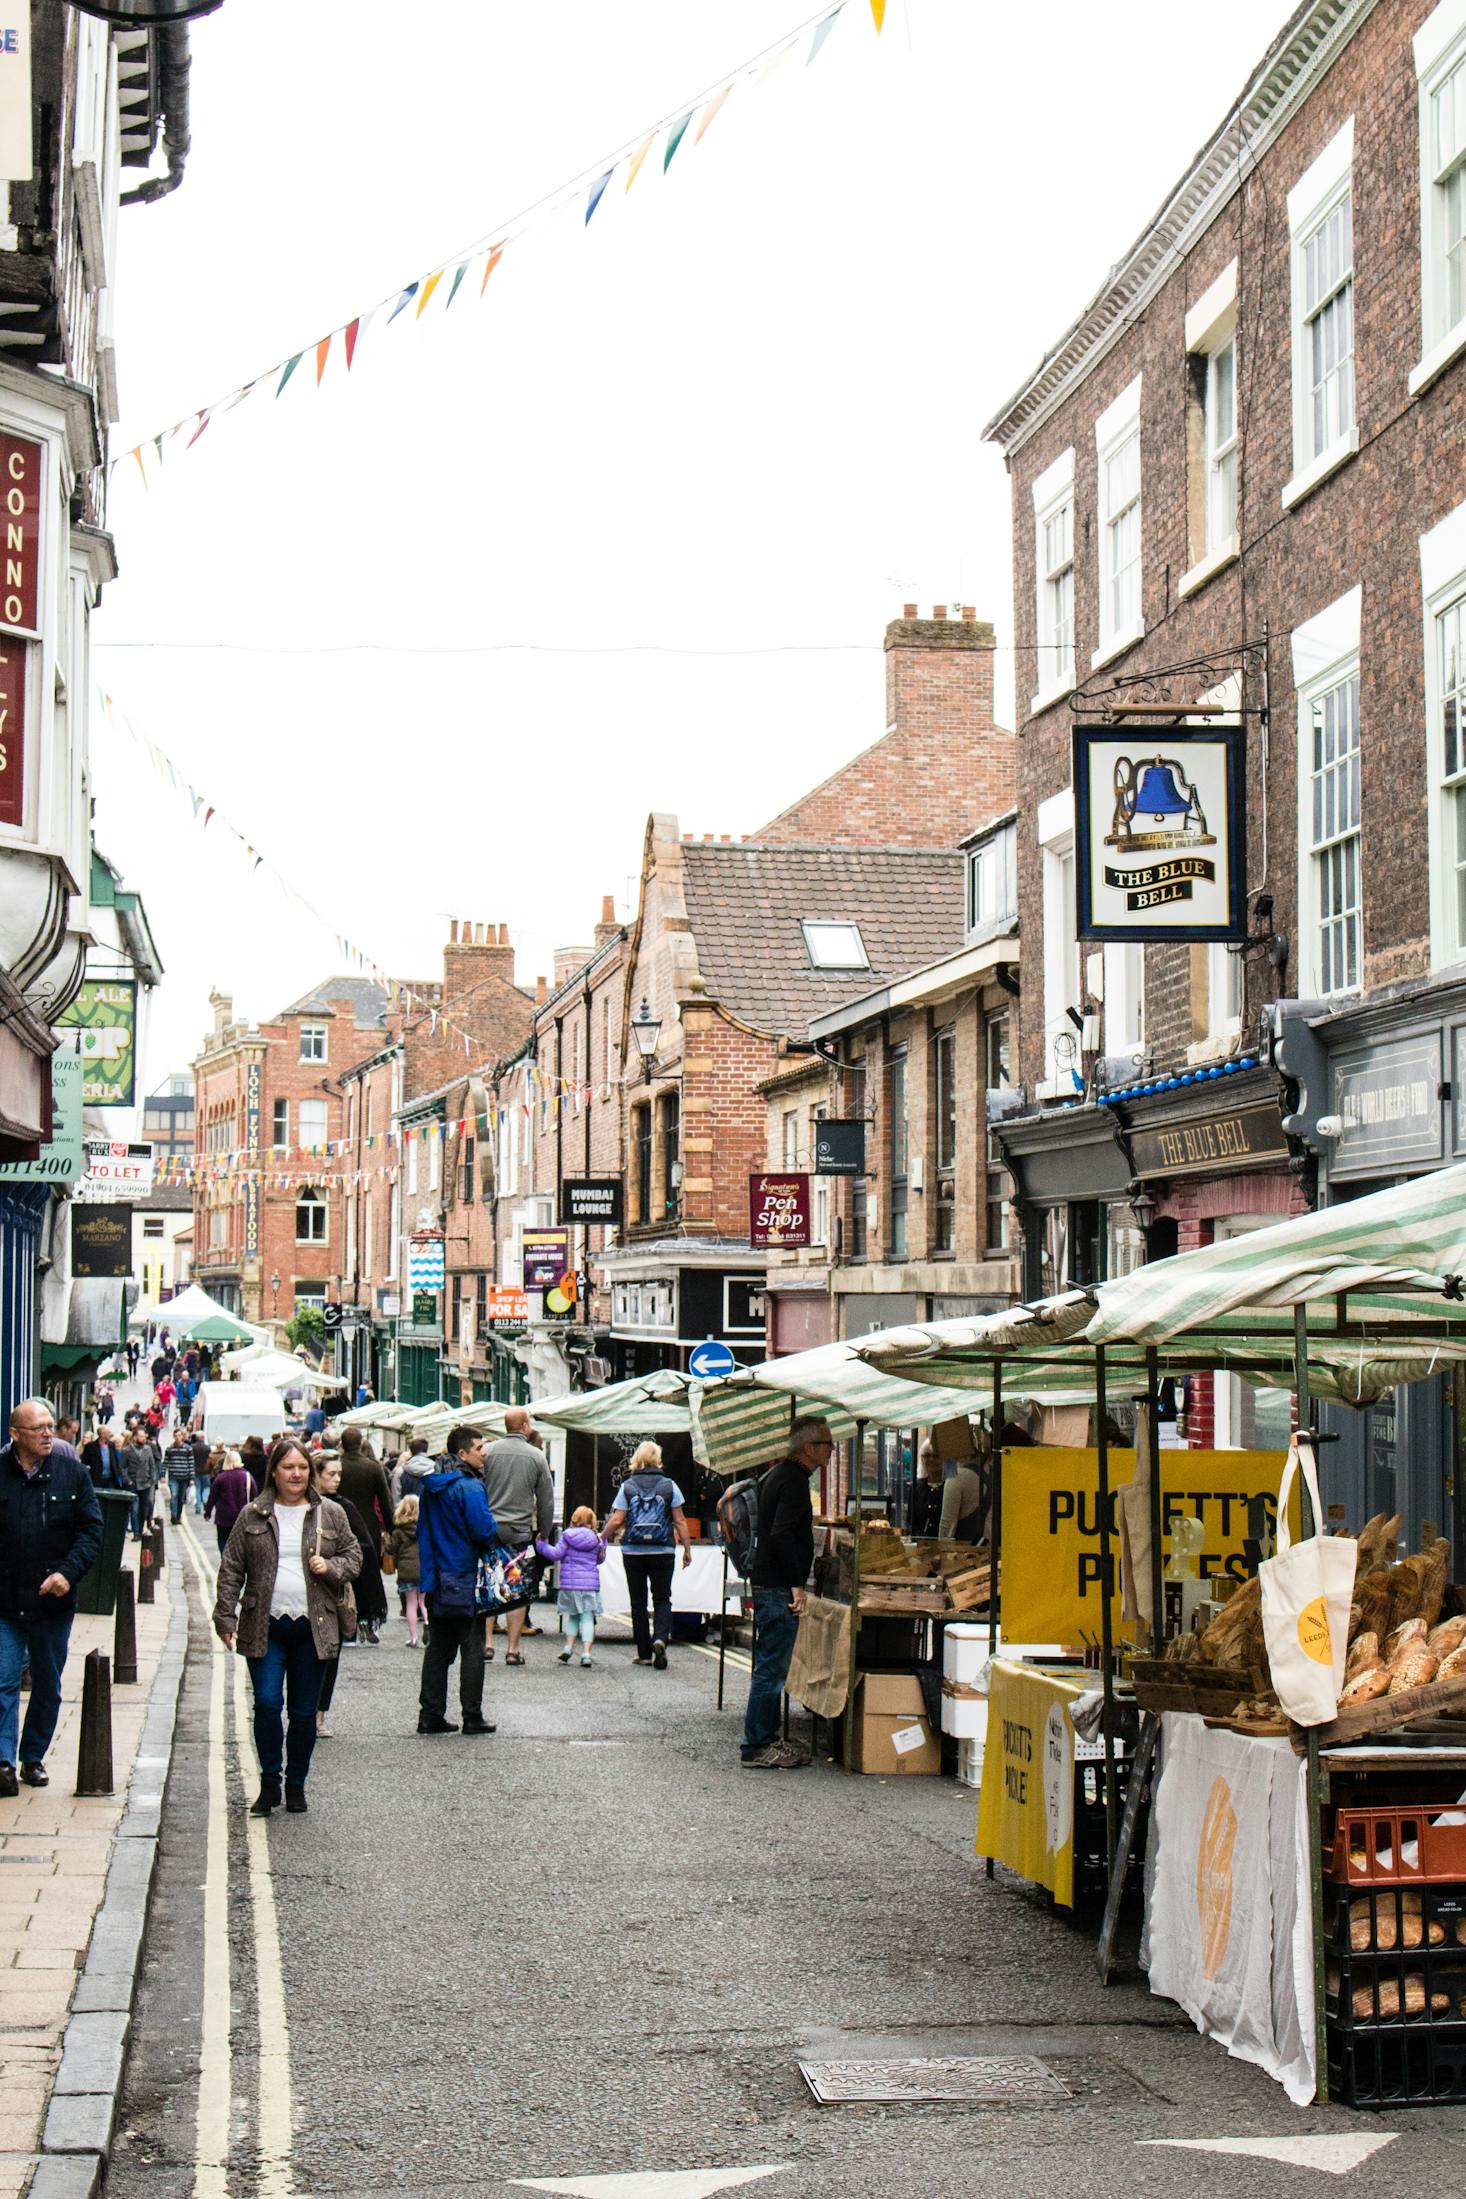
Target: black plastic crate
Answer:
pixel 1368 1920
pixel 1408 1989
pixel 1408 2066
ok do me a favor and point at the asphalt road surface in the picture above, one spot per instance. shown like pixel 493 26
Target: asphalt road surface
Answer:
pixel 592 1947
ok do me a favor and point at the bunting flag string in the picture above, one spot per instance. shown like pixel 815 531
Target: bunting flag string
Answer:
pixel 400 994
pixel 586 189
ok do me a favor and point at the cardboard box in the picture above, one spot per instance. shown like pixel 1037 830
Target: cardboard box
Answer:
pixel 891 1729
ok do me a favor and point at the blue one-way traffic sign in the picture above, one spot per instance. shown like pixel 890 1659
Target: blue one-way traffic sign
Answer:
pixel 710 1360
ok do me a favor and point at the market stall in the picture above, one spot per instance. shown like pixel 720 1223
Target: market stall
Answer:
pixel 1346 1303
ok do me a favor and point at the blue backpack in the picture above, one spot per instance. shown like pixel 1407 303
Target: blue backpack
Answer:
pixel 648 1512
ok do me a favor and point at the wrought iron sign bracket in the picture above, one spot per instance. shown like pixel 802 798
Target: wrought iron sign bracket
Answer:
pixel 1152 693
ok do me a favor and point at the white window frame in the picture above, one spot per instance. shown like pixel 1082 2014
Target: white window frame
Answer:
pixel 366 1235
pixel 435 1156
pixel 1211 329
pixel 324 1119
pixel 997 855
pixel 280 1145
pixel 1440 49
pixel 318 1202
pixel 394 1229
pixel 1325 654
pixel 1053 491
pixel 1317 194
pixel 1112 431
pixel 1124 976
pixel 314 1032
pixel 824 954
pixel 412 1142
pixel 1442 584
pixel 1063 985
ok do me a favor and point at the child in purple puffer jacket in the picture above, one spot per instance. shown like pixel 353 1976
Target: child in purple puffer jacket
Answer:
pixel 580 1554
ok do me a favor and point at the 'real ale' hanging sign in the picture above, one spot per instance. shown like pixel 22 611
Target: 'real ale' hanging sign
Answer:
pixel 1160 829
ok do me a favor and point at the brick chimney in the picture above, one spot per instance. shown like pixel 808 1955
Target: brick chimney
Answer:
pixel 939 672
pixel 567 961
pixel 541 992
pixel 608 927
pixel 474 954
pixel 942 767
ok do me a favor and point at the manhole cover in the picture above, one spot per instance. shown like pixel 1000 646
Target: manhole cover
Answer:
pixel 1019 2079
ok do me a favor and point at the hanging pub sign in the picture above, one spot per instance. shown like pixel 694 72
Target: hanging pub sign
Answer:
pixel 101 1241
pixel 1160 827
pixel 839 1146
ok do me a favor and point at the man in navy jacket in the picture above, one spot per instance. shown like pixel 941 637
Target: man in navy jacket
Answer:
pixel 454 1528
pixel 50 1534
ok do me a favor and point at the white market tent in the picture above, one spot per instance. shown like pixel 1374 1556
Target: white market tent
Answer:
pixel 187 1313
pixel 383 1413
pixel 265 1368
pixel 647 1404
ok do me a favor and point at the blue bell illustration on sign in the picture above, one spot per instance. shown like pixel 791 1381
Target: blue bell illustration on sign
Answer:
pixel 1156 806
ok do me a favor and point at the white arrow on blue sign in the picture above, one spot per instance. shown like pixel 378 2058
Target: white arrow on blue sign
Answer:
pixel 710 1360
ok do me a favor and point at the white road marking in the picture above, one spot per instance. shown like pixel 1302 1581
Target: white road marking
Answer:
pixel 653 2183
pixel 274 2104
pixel 1331 2156
pixel 211 2129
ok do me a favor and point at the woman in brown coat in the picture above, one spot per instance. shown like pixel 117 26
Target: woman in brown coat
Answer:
pixel 289 1557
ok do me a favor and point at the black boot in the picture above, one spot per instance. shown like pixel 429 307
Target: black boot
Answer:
pixel 474 1721
pixel 267 1799
pixel 432 1721
pixel 295 1801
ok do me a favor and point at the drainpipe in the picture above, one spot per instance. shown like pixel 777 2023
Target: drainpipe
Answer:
pixel 173 66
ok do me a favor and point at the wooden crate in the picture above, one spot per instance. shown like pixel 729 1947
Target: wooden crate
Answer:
pixel 1440 1698
pixel 968 1591
pixel 910 1599
pixel 1214 1690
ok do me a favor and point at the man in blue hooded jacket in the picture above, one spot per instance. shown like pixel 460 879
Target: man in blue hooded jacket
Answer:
pixel 454 1528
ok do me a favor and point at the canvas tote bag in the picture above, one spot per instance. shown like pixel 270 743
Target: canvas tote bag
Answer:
pixel 1306 1592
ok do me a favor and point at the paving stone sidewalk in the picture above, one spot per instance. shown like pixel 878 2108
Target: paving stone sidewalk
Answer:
pixel 55 1850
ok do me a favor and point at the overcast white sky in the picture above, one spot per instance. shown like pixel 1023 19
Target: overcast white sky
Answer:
pixel 626 534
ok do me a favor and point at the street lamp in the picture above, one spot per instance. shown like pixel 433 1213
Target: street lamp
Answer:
pixel 1143 1207
pixel 274 1291
pixel 646 1029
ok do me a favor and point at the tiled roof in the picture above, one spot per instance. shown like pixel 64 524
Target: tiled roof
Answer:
pixel 745 904
pixel 368 999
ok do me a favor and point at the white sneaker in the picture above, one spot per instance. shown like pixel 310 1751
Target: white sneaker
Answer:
pixel 564 1657
pixel 585 1660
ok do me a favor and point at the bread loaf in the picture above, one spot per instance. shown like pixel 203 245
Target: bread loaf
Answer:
pixel 1372 1597
pixel 1412 1630
pixel 1453 1665
pixel 1388 2003
pixel 1363 1652
pixel 1365 1686
pixel 1414 1667
pixel 1448 1635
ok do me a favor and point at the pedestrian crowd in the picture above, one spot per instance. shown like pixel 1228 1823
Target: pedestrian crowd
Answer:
pixel 309 1539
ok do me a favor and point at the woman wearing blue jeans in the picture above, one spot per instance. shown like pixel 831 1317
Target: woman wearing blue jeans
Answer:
pixel 289 1558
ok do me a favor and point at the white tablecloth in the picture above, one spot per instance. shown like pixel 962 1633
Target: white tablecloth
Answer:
pixel 695 1587
pixel 1230 1918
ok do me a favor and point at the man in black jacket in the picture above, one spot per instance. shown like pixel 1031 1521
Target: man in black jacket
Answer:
pixel 50 1534
pixel 783 1553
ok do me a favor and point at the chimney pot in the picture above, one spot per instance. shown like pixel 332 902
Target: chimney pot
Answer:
pixel 709 836
pixel 939 610
pixel 503 935
pixel 608 908
pixel 725 837
pixel 541 992
pixel 969 613
pixel 908 610
pixel 453 933
pixel 687 835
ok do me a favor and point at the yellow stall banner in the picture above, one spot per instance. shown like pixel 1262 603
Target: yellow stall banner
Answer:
pixel 1051 1529
pixel 1025 1810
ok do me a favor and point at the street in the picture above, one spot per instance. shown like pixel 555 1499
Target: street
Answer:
pixel 591 1946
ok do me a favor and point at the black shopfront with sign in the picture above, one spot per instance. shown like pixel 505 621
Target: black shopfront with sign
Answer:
pixel 1381 1098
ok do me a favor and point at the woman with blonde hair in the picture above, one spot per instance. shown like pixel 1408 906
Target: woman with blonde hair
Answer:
pixel 648 1517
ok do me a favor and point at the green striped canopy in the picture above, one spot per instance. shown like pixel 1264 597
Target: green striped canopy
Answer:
pixel 649 1404
pixel 742 1421
pixel 1372 1275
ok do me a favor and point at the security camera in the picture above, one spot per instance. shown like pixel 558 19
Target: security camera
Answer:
pixel 1331 1126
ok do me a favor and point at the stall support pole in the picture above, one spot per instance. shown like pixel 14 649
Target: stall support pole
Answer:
pixel 1312 1526
pixel 723 1630
pixel 857 1479
pixel 1107 1643
pixel 1157 1575
pixel 995 1530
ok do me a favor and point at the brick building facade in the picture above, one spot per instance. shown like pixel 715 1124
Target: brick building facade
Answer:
pixel 269 1211
pixel 1238 475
